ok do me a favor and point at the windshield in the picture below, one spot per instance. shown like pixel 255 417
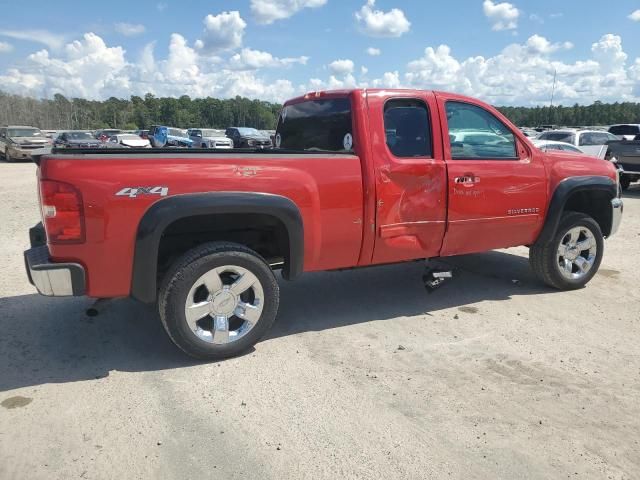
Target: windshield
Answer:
pixel 80 136
pixel 25 132
pixel 174 132
pixel 566 137
pixel 625 130
pixel 248 131
pixel 316 125
pixel 213 133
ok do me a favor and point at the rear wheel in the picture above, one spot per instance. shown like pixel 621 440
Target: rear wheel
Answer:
pixel 574 255
pixel 218 300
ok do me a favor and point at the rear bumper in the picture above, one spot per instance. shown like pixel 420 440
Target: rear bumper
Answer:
pixel 53 279
pixel 617 207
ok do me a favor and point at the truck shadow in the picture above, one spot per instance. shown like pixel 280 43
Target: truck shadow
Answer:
pixel 52 340
pixel 327 300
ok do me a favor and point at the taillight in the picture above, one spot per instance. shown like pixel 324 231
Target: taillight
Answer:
pixel 62 212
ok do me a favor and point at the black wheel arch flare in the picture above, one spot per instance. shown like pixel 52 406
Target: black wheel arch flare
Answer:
pixel 563 193
pixel 166 211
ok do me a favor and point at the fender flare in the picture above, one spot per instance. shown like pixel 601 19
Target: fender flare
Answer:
pixel 565 189
pixel 166 211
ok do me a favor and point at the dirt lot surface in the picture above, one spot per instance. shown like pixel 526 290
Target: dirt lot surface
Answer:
pixel 364 375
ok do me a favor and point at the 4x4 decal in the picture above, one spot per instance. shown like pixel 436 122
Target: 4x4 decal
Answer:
pixel 133 192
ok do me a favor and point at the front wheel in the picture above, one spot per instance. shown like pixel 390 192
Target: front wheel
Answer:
pixel 574 255
pixel 218 300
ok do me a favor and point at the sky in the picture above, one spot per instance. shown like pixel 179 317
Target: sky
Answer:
pixel 506 53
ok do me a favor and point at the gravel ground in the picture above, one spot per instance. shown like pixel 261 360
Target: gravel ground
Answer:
pixel 491 377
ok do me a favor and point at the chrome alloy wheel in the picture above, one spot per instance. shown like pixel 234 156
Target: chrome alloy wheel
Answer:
pixel 577 253
pixel 224 304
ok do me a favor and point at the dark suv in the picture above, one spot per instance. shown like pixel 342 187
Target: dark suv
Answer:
pixel 244 137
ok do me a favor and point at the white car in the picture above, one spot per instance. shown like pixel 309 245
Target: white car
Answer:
pixel 591 142
pixel 547 145
pixel 129 140
pixel 626 131
pixel 209 138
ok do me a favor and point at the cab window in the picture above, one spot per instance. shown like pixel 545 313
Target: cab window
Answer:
pixel 407 128
pixel 475 133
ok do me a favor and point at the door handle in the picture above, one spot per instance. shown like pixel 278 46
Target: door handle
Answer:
pixel 468 179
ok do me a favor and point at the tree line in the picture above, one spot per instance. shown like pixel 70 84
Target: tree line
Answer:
pixel 577 115
pixel 61 113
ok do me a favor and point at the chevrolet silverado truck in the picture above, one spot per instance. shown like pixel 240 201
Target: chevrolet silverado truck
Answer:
pixel 359 178
pixel 626 155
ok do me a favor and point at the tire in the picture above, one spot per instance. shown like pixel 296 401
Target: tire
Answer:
pixel 625 182
pixel 203 279
pixel 546 259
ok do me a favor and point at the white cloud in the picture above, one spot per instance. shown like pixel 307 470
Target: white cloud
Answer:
pixel 248 59
pixel 222 32
pixel 268 11
pixel 129 29
pixel 51 40
pixel 341 67
pixel 88 68
pixel 388 80
pixel 364 70
pixel 635 16
pixel 523 73
pixel 5 47
pixel 503 16
pixel 374 52
pixel 378 23
pixel 538 44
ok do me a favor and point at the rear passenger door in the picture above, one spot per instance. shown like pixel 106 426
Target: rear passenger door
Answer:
pixel 410 176
pixel 497 187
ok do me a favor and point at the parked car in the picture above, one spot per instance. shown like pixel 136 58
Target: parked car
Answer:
pixel 104 135
pixel 626 131
pixel 18 142
pixel 209 138
pixel 76 139
pixel 244 137
pixel 161 137
pixel 530 132
pixel 591 142
pixel 626 155
pixel 52 134
pixel 142 133
pixel 200 236
pixel 130 140
pixel 546 145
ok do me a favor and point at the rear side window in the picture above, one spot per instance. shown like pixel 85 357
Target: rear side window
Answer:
pixel 407 127
pixel 475 133
pixel 322 125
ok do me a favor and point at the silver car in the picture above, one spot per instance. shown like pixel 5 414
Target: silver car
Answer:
pixel 209 138
pixel 591 142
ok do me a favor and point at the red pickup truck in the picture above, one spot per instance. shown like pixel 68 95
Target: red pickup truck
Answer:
pixel 357 178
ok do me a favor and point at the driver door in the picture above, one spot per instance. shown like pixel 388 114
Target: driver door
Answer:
pixel 496 186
